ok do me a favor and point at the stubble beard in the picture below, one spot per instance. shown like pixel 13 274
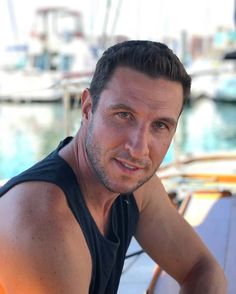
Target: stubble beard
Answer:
pixel 94 154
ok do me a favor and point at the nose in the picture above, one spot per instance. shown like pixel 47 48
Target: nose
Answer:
pixel 138 142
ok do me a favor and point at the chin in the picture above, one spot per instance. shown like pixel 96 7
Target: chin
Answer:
pixel 123 184
pixel 123 189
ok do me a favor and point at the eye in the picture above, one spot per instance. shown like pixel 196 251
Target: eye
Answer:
pixel 124 115
pixel 159 125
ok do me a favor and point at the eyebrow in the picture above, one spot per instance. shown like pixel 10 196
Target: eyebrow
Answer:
pixel 122 106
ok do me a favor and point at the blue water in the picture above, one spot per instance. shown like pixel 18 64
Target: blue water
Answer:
pixel 30 131
pixel 208 126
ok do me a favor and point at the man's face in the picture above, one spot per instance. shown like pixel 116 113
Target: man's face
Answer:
pixel 131 129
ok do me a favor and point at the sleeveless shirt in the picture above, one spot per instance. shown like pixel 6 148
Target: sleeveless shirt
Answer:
pixel 107 252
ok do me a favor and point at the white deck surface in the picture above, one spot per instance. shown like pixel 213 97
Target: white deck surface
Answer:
pixel 137 272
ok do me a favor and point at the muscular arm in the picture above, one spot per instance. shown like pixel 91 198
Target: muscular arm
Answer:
pixel 174 245
pixel 205 277
pixel 42 249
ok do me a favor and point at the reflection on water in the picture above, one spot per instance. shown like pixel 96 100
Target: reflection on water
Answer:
pixel 28 133
pixel 207 126
pixel 31 131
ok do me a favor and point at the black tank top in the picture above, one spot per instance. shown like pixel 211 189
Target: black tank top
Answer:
pixel 108 253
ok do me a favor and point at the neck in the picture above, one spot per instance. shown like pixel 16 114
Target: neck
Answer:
pixel 97 197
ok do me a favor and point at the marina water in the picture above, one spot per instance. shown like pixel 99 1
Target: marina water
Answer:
pixel 29 131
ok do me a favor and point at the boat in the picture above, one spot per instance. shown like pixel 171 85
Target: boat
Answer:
pixel 203 189
pixel 216 80
pixel 57 51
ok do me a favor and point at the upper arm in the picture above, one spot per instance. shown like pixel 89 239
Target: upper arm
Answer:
pixel 41 251
pixel 165 235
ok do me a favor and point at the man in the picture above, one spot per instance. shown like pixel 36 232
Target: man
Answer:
pixel 66 223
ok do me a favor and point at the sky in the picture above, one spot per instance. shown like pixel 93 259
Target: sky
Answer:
pixel 138 19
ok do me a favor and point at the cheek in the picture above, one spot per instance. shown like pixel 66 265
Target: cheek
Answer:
pixel 166 146
pixel 105 138
pixel 159 149
pixel 112 133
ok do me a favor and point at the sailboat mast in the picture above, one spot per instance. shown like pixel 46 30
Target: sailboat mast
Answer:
pixel 235 13
pixel 12 17
pixel 104 32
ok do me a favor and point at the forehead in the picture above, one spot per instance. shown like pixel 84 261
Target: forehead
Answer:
pixel 130 86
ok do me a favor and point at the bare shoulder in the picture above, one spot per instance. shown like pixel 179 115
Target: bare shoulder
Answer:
pixel 156 209
pixel 32 204
pixel 39 242
pixel 152 191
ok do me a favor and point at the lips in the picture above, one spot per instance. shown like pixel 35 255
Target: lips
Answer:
pixel 129 166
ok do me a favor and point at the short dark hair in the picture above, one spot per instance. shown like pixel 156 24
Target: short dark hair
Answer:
pixel 151 58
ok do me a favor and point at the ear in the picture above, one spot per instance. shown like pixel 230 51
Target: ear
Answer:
pixel 86 104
